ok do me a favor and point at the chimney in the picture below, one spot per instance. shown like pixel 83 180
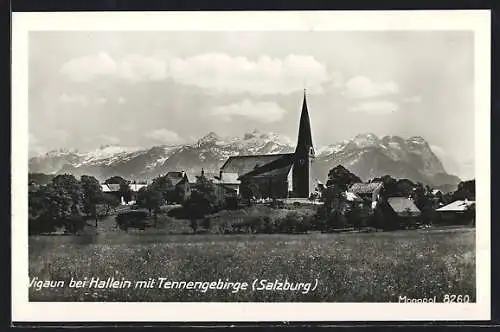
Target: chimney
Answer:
pixel 220 175
pixel 202 172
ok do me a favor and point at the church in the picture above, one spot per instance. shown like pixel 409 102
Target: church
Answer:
pixel 286 175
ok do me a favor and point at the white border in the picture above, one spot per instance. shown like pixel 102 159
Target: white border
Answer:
pixel 22 23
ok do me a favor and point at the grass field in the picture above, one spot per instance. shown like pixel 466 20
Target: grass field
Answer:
pixel 349 267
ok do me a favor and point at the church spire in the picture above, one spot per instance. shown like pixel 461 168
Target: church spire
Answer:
pixel 304 142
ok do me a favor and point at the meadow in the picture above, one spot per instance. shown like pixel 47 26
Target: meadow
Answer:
pixel 349 267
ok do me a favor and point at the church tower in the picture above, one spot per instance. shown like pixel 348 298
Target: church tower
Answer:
pixel 304 155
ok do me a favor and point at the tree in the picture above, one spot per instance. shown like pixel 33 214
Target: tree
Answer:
pixel 202 200
pixel 115 180
pixel 404 187
pixel 390 186
pixel 61 204
pixel 341 177
pixel 40 178
pixel 249 189
pixel 149 198
pixel 465 190
pixel 355 215
pixel 164 187
pixel 124 190
pixel 109 202
pixel 92 195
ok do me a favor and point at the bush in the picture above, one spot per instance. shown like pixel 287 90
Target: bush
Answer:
pixel 39 225
pixel 206 223
pixel 133 219
pixel 75 224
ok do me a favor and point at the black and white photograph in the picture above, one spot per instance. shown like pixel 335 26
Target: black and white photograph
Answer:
pixel 248 162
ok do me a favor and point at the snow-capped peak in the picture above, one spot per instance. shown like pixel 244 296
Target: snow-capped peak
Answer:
pixel 109 150
pixel 366 140
pixel 417 140
pixel 211 137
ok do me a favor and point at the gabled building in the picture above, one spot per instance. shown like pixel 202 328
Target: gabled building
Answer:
pixel 370 193
pixel 286 175
pixel 180 181
pixel 459 212
pixel 402 211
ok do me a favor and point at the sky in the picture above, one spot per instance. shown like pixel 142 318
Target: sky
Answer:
pixel 88 89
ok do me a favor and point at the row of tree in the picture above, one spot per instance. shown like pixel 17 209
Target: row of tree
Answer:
pixel 66 202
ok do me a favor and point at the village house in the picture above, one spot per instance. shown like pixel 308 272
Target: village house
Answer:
pixel 459 211
pixel 393 210
pixel 367 193
pixel 114 189
pixel 402 211
pixel 180 181
pixel 286 175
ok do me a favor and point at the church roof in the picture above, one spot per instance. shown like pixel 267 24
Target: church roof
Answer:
pixel 278 167
pixel 244 164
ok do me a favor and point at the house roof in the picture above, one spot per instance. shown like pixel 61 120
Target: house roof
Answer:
pixel 175 177
pixel 192 177
pixel 278 167
pixel 351 197
pixel 137 186
pixel 403 205
pixel 114 187
pixel 244 164
pixel 365 188
pixel 111 187
pixel 457 206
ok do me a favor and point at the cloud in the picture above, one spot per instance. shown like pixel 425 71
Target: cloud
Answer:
pixel 376 107
pixel 337 80
pixel 88 67
pixel 107 139
pixel 265 75
pixel 364 87
pixel 134 68
pixel 35 147
pixel 81 100
pixel 163 136
pixel 265 112
pixel 73 99
pixel 214 71
pixel 412 100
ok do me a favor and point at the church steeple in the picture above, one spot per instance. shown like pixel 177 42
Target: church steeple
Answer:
pixel 304 141
pixel 304 153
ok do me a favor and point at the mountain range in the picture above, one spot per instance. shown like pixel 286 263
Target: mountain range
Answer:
pixel 366 155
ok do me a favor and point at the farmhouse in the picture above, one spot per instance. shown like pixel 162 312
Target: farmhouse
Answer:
pixel 286 175
pixel 459 211
pixel 181 184
pixel 114 189
pixel 402 211
pixel 369 193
